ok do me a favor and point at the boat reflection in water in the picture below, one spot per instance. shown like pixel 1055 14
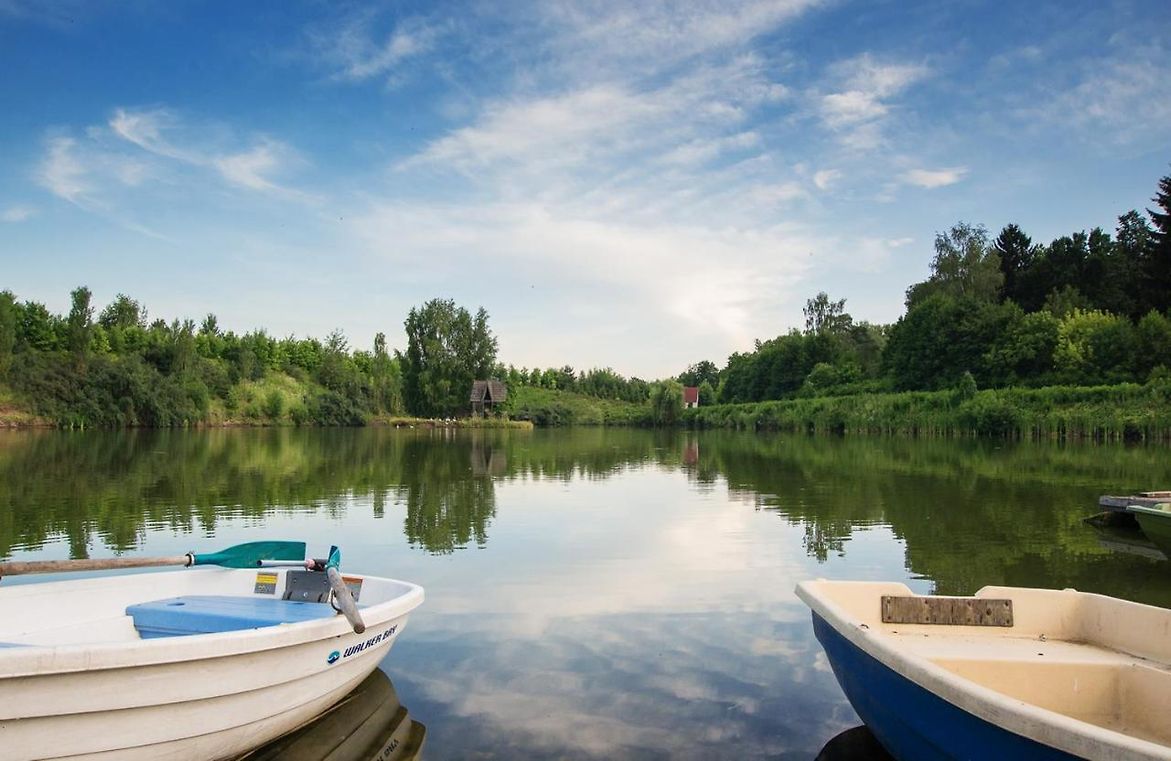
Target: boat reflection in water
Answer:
pixel 855 744
pixel 369 724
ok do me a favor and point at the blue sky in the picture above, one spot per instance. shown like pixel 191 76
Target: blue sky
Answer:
pixel 634 185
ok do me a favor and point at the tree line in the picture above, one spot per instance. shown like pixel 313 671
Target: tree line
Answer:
pixel 120 368
pixel 1085 309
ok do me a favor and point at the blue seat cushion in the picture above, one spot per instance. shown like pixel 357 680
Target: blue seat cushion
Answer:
pixel 207 614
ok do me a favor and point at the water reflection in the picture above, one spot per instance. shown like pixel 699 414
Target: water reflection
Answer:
pixel 969 513
pixel 601 593
pixel 369 724
pixel 855 744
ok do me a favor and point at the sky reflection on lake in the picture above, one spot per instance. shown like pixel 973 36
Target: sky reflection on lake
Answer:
pixel 596 593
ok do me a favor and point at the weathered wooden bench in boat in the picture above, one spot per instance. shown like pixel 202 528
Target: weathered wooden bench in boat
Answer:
pixel 1008 674
pixel 196 664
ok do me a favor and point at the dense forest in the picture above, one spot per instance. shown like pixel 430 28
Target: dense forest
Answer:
pixel 1086 309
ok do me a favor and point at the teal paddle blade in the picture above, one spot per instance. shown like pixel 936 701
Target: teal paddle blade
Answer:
pixel 250 554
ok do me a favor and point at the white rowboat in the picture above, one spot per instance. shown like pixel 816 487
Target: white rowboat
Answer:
pixel 1008 674
pixel 199 664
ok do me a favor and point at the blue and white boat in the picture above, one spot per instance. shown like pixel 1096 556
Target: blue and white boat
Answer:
pixel 1007 674
pixel 188 665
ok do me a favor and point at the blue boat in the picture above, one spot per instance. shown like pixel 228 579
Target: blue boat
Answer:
pixel 1008 674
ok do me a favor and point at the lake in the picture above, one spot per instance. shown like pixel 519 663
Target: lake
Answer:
pixel 601 592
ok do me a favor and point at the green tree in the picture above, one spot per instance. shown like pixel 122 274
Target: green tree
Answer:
pixel 940 338
pixel 964 266
pixel 1023 351
pixel 447 348
pixel 36 328
pixel 707 394
pixel 8 320
pixel 122 312
pixel 1016 251
pixel 1133 241
pixel 1157 272
pixel 387 377
pixel 667 402
pixel 823 316
pixel 80 321
pixel 700 373
pixel 1154 343
pixel 1095 347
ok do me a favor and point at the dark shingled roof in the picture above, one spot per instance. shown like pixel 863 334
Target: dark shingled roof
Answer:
pixel 488 391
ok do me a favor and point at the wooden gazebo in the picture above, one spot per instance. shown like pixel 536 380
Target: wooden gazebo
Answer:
pixel 486 394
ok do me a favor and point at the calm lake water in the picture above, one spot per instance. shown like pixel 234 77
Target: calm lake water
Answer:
pixel 601 593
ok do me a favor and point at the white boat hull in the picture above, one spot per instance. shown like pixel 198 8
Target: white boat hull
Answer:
pixel 207 696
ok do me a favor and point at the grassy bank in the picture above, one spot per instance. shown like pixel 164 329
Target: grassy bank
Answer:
pixel 548 407
pixel 1128 412
pixel 273 401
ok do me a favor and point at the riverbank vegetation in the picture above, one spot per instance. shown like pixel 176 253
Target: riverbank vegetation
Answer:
pixel 1005 337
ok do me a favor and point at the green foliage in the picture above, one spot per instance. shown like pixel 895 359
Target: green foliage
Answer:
pixel 1023 351
pixel 117 371
pixel 1157 264
pixel 964 267
pixel 707 393
pixel 447 349
pixel 1094 347
pixel 666 402
pixel 8 320
pixel 941 338
pixel 1124 411
pixel 80 321
pixel 825 316
pixel 700 373
pixel 274 404
pixel 549 407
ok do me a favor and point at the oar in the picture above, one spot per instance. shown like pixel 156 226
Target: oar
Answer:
pixel 341 593
pixel 247 555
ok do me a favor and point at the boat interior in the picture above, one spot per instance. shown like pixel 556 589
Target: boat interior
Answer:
pixel 139 606
pixel 1092 658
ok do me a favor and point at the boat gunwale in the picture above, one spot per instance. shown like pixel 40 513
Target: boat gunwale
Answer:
pixel 32 660
pixel 1058 730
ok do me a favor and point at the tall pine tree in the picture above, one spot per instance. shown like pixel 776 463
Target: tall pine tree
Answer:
pixel 1158 264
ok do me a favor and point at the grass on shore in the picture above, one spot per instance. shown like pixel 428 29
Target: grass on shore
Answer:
pixel 1125 412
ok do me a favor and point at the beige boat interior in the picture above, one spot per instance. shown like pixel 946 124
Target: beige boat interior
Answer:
pixel 1092 658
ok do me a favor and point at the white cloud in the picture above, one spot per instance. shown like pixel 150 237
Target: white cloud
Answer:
pixel 354 53
pixel 605 38
pixel 717 281
pixel 826 177
pixel 145 129
pixel 17 213
pixel 1118 99
pixel 861 98
pixel 934 178
pixel 161 132
pixel 899 242
pixel 61 172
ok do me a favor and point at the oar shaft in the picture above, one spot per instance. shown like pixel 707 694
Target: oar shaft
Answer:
pixel 17 568
pixel 345 600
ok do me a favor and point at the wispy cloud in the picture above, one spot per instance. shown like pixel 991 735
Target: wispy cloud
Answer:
pixel 61 172
pixel 934 178
pixel 355 50
pixel 862 96
pixel 826 177
pixel 1117 98
pixel 17 213
pixel 162 133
